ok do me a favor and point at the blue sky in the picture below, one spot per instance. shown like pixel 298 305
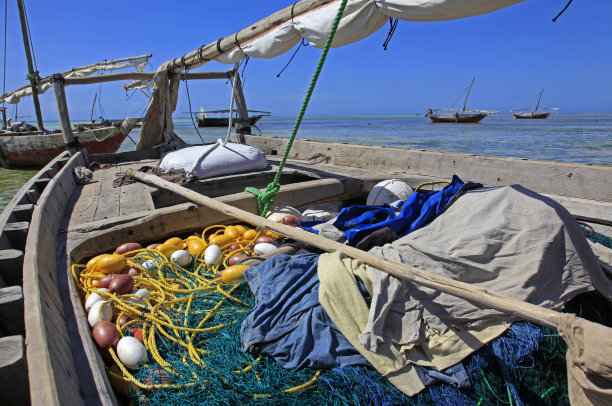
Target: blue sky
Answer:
pixel 514 53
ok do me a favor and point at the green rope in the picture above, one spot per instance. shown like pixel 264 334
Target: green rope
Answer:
pixel 265 199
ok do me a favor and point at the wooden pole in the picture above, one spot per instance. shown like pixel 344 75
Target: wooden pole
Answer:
pixel 62 112
pixel 32 75
pixel 242 127
pixel 468 93
pixel 207 52
pixel 484 297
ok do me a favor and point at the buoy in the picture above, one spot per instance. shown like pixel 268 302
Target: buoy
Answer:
pixel 234 259
pixel 131 352
pixel 177 242
pixel 388 191
pixel 212 255
pixel 264 248
pixel 123 249
pixel 233 273
pixel 181 257
pixel 149 264
pixel 93 317
pixel 105 334
pixel 111 263
pixel 195 245
pixel 121 284
pixel 167 249
pixel 93 298
pixel 278 213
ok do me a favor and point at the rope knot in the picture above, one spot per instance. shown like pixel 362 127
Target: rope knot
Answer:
pixel 264 199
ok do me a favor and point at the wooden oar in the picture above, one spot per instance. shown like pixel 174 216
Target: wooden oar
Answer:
pixel 485 297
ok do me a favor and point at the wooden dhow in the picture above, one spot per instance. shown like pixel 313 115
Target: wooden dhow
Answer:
pixel 53 223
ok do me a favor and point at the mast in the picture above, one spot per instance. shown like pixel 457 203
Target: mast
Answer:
pixel 538 105
pixel 468 93
pixel 31 73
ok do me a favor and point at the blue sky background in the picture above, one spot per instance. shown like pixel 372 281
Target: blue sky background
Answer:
pixel 514 53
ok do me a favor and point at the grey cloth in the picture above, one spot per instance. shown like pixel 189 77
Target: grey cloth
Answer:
pixel 507 239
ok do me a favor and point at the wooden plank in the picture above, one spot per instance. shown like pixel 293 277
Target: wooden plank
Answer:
pixel 94 238
pixel 17 233
pixel 23 212
pixel 11 266
pixel 107 205
pixel 14 371
pixel 112 77
pixel 52 374
pixel 135 197
pixel 85 207
pixel 11 312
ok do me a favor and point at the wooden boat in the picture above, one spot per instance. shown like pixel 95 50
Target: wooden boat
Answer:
pixel 38 147
pixel 47 354
pixel 35 149
pixel 459 115
pixel 205 121
pixel 532 112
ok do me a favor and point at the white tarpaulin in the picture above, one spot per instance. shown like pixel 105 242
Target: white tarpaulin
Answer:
pixel 360 19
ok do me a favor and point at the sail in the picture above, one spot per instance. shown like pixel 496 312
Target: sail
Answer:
pixel 311 20
pixel 138 62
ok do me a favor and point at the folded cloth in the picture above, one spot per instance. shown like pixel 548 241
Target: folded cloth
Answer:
pixel 287 322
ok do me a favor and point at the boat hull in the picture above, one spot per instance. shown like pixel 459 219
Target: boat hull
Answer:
pixel 224 121
pixel 38 150
pixel 457 118
pixel 532 115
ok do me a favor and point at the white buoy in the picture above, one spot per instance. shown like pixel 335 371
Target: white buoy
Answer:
pixel 212 255
pixel 278 213
pixel 181 257
pixel 93 317
pixel 93 298
pixel 149 265
pixel 131 352
pixel 264 248
pixel 388 191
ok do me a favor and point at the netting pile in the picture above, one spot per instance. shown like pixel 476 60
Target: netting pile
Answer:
pixel 190 327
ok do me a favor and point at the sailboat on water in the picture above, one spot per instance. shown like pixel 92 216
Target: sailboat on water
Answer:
pixel 527 113
pixel 459 115
pixel 23 144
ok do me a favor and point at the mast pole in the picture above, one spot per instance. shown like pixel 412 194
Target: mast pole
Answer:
pixel 538 105
pixel 31 73
pixel 468 93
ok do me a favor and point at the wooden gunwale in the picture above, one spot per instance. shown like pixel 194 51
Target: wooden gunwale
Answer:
pixel 52 375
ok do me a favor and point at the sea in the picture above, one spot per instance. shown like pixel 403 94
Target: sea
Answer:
pixel 580 138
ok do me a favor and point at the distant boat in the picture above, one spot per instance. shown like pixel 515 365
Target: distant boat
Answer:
pixel 523 113
pixel 205 121
pixel 459 115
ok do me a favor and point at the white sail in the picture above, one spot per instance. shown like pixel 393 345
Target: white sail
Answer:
pixel 138 62
pixel 360 19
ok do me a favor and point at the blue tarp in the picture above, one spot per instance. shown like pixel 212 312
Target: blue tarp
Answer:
pixel 419 209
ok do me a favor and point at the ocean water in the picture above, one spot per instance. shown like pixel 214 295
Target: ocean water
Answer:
pixel 581 138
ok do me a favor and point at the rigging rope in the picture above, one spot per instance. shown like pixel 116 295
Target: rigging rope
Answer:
pixel 265 200
pixel 190 110
pixel 392 26
pixel 304 43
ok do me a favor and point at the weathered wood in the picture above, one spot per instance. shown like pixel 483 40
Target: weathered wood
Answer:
pixel 23 212
pixel 11 266
pixel 62 113
pixel 242 127
pixel 557 178
pixel 52 374
pixel 13 372
pixel 17 233
pixel 11 311
pixel 32 75
pixel 40 184
pixel 112 77
pixel 32 196
pixel 463 290
pixel 207 52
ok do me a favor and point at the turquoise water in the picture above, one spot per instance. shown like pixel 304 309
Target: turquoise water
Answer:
pixel 583 138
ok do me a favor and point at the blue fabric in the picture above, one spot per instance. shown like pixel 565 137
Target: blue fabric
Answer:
pixel 419 209
pixel 455 376
pixel 287 322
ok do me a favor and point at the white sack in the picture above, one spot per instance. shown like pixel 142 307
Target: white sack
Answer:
pixel 202 163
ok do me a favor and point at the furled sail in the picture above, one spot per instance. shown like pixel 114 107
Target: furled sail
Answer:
pixel 138 62
pixel 311 20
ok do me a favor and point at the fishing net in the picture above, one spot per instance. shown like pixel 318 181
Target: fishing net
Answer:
pixel 190 327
